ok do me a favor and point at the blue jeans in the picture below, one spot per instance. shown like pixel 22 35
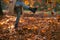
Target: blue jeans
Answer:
pixel 18 3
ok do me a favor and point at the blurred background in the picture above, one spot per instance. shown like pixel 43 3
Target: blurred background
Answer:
pixel 42 5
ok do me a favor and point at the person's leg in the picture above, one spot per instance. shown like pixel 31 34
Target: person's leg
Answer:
pixel 18 11
pixel 18 3
pixel 17 20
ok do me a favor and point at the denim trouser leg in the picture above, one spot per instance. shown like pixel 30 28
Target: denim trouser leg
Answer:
pixel 17 19
pixel 18 16
pixel 19 12
pixel 21 4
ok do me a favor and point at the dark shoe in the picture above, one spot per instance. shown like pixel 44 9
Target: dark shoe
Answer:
pixel 16 27
pixel 52 13
pixel 33 9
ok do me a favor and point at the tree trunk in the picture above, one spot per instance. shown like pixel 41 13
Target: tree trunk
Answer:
pixel 11 6
pixel 1 13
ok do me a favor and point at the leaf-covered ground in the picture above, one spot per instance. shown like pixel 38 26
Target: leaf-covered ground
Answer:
pixel 30 27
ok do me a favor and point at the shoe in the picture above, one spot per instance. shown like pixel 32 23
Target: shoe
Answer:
pixel 16 26
pixel 33 9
